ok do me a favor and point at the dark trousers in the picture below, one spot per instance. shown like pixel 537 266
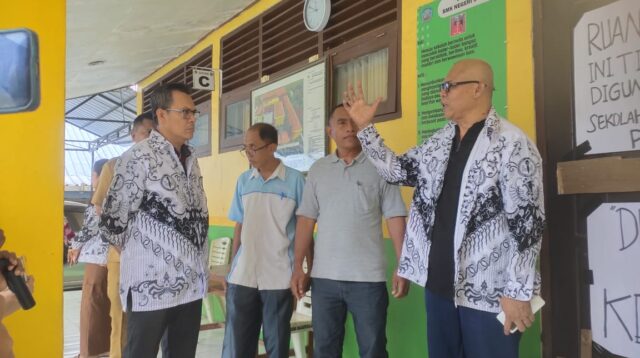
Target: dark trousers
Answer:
pixel 248 309
pixel 366 301
pixel 145 330
pixel 462 332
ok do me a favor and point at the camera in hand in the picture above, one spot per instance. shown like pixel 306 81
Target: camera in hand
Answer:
pixel 17 285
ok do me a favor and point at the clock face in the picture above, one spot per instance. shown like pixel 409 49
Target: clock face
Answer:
pixel 316 14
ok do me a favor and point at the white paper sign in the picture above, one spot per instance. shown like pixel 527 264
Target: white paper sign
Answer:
pixel 202 79
pixel 614 258
pixel 447 8
pixel 606 57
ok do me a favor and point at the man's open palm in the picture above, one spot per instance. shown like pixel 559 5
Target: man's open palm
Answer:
pixel 359 110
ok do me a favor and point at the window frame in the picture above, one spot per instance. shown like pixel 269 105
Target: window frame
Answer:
pixel 228 144
pixel 204 150
pixel 386 36
pixel 340 38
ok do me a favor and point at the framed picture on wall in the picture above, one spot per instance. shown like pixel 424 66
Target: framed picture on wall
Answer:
pixel 296 106
pixel 201 140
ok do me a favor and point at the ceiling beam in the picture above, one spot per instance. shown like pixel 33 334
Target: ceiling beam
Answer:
pixel 118 104
pixel 111 137
pixel 77 126
pixel 80 104
pixel 115 107
pixel 96 120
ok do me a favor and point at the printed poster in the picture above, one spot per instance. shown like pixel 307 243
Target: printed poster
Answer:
pixel 451 30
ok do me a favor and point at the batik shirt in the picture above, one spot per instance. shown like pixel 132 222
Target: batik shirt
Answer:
pixel 156 212
pixel 93 250
pixel 500 210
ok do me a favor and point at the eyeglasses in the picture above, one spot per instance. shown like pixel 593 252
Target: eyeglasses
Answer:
pixel 448 85
pixel 186 113
pixel 252 151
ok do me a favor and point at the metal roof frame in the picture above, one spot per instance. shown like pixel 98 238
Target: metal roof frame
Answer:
pixel 107 115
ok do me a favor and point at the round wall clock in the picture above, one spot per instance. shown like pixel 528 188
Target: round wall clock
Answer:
pixel 316 14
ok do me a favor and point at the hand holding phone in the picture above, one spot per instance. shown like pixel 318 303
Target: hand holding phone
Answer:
pixel 17 284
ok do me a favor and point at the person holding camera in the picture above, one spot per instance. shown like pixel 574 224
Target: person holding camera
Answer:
pixel 8 300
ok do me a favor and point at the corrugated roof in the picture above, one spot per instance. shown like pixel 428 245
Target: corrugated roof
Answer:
pixel 102 113
pixel 77 164
pixel 90 118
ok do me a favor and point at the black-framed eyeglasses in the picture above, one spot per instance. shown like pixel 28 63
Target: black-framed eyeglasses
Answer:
pixel 252 151
pixel 448 85
pixel 186 113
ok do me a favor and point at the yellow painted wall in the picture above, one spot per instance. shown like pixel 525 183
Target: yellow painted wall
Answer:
pixel 221 170
pixel 31 181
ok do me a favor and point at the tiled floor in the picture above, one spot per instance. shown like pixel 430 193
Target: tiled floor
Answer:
pixel 209 343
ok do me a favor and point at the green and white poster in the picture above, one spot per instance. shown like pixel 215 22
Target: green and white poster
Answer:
pixel 451 30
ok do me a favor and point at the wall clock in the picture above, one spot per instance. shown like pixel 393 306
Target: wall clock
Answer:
pixel 316 14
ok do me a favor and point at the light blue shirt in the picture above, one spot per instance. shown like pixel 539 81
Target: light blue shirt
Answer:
pixel 266 209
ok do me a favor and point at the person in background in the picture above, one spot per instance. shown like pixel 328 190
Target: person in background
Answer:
pixel 88 247
pixel 69 234
pixel 140 130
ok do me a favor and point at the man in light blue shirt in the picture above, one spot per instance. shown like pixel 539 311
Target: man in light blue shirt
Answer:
pixel 264 205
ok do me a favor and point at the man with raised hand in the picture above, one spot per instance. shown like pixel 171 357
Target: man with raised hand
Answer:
pixel 477 217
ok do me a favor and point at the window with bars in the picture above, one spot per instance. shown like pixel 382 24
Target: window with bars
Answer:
pixel 182 74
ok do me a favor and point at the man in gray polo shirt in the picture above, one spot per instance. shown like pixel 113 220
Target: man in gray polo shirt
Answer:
pixel 347 198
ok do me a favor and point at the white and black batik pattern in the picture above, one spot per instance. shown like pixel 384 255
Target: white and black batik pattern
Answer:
pixel 93 249
pixel 500 216
pixel 157 213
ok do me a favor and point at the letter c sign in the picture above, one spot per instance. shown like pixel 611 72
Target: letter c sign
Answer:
pixel 203 79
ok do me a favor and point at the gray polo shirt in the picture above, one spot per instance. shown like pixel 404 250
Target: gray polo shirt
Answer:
pixel 348 202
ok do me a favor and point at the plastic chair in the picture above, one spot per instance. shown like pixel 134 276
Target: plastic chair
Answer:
pixel 219 254
pixel 301 323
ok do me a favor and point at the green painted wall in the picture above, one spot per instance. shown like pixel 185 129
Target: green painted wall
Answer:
pixel 406 327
